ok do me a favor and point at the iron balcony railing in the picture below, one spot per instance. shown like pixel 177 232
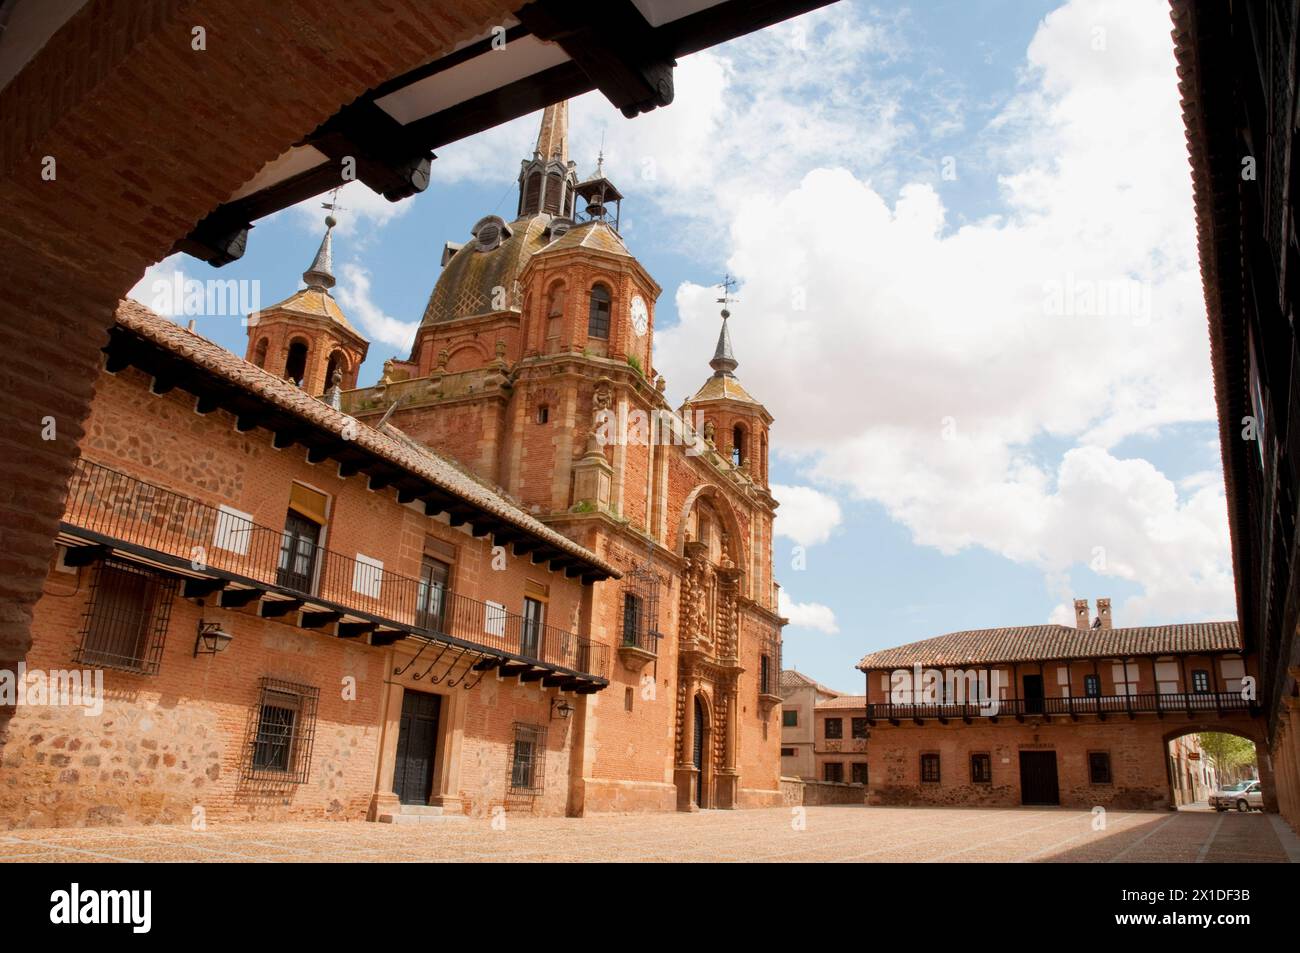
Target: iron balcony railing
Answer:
pixel 1075 705
pixel 122 507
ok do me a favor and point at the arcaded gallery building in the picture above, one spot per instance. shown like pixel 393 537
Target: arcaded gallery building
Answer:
pixel 464 588
pixel 1079 716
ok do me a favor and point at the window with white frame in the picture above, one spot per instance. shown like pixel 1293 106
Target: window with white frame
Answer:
pixel 494 619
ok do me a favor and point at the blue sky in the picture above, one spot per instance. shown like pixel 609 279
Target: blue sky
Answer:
pixel 903 192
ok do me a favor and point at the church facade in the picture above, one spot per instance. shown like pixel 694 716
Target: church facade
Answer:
pixel 534 368
pixel 507 577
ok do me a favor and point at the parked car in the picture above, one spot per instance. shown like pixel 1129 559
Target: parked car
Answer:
pixel 1242 796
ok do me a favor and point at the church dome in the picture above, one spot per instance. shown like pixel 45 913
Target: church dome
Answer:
pixel 492 260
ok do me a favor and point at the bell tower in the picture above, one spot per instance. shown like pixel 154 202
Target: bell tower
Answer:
pixel 735 424
pixel 306 338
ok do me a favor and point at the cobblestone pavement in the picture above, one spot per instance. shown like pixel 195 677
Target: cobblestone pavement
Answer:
pixel 771 835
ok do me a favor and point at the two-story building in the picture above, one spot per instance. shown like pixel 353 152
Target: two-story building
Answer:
pixel 1051 714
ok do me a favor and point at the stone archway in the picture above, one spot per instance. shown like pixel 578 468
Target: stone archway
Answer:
pixel 1251 730
pixel 83 221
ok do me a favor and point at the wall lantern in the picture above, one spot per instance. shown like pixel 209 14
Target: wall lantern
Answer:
pixel 561 707
pixel 212 639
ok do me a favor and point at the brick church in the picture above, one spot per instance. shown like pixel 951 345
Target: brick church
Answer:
pixel 507 576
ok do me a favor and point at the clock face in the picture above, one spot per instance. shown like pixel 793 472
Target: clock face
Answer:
pixel 640 316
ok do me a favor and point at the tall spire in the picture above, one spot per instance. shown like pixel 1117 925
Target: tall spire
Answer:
pixel 320 276
pixel 553 136
pixel 724 361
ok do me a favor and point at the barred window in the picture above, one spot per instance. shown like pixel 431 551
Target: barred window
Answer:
pixel 859 775
pixel 834 728
pixel 528 760
pixel 1099 767
pixel 764 675
pixel 833 771
pixel 930 768
pixel 981 769
pixel 126 618
pixel 859 727
pixel 282 730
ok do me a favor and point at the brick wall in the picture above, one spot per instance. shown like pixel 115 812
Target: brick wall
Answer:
pixel 71 247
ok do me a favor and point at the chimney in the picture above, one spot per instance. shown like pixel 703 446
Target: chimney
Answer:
pixel 1081 614
pixel 1103 613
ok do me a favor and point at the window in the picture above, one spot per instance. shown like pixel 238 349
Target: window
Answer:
pixel 738 454
pixel 859 772
pixel 530 642
pixel 833 771
pixel 859 727
pixel 1092 686
pixel 981 769
pixel 1099 767
pixel 790 718
pixel 764 675
pixel 543 413
pixel 834 728
pixel 283 730
pixel 598 315
pixel 259 353
pixel 295 366
pixel 126 619
pixel 528 760
pixel 1200 681
pixel 301 540
pixel 787 752
pixel 930 768
pixel 431 597
pixel 631 618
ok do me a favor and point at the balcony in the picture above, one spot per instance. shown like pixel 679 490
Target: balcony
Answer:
pixel 241 562
pixel 1159 703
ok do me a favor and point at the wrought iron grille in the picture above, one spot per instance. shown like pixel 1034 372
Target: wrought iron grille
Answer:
pixel 125 624
pixel 528 760
pixel 640 622
pixel 281 732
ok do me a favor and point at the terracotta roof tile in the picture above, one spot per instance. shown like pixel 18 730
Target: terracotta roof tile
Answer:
pixel 391 444
pixel 843 701
pixel 1033 643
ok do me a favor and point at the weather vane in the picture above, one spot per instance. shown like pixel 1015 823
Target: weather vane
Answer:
pixel 333 204
pixel 727 284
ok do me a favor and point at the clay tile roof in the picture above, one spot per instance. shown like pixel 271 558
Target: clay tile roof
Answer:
pixel 722 388
pixel 1034 643
pixel 790 680
pixel 592 234
pixel 315 302
pixel 844 701
pixel 390 444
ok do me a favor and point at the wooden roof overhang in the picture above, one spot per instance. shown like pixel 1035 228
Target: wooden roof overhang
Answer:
pixel 235 591
pixel 170 370
pixel 553 50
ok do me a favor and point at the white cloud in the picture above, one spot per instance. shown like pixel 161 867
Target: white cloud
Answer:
pixel 353 294
pixel 808 615
pixel 930 365
pixel 806 516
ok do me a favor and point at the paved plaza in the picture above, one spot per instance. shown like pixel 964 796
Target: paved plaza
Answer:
pixel 815 834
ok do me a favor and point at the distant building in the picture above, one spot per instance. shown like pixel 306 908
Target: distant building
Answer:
pixel 800 696
pixel 1050 714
